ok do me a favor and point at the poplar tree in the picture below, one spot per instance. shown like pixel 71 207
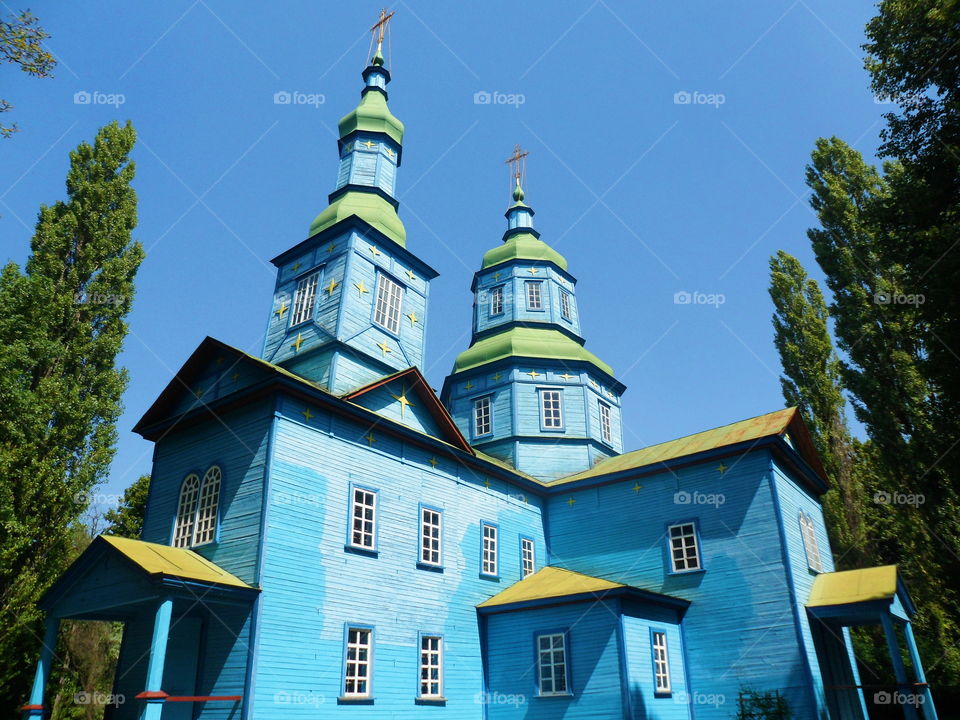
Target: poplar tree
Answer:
pixel 126 520
pixel 62 326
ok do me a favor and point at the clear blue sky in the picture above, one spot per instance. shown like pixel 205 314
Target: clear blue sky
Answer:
pixel 645 196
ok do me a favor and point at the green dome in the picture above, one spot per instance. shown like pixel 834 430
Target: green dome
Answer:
pixel 372 115
pixel 523 246
pixel 367 206
pixel 527 342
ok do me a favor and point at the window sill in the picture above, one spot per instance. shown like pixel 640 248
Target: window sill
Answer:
pixel 354 700
pixel 555 695
pixel 441 701
pixel 368 552
pixel 686 572
pixel 491 578
pixel 429 567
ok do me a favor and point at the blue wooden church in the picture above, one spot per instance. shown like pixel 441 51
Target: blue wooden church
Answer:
pixel 326 537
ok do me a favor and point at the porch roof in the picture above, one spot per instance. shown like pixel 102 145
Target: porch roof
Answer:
pixel 157 559
pixel 857 596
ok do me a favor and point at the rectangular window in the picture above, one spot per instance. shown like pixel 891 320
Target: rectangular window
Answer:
pixel 527 564
pixel 606 434
pixel 807 530
pixel 364 519
pixel 565 304
pixel 431 666
pixel 356 675
pixel 496 300
pixel 684 553
pixel 304 299
pixel 534 297
pixel 482 424
pixel 489 560
pixel 389 301
pixel 552 664
pixel 661 664
pixel 551 410
pixel 431 527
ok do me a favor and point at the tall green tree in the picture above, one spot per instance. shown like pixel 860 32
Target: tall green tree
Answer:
pixel 21 44
pixel 62 326
pixel 126 520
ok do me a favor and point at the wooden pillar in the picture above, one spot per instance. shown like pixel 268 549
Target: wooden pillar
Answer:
pixel 929 711
pixel 34 707
pixel 153 695
pixel 899 670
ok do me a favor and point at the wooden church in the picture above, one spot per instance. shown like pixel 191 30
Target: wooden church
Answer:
pixel 325 537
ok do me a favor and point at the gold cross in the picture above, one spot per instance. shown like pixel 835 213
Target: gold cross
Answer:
pixel 370 438
pixel 381 26
pixel 370 144
pixel 374 251
pixel 361 287
pixel 198 392
pixel 331 247
pixel 389 152
pixel 402 399
pixel 282 309
pixel 534 374
pixel 384 348
pixel 567 376
pixel 533 271
pixel 571 502
pixel 296 266
pixel 433 461
pixel 332 286
pixel 469 386
pixel 413 318
pixel 307 415
pixel 637 488
pixel 496 275
pixel 411 275
pixel 721 468
pixel 517 162
pixel 297 343
pixel 486 483
pixel 496 378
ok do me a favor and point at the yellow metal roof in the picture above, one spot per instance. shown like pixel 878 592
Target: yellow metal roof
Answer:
pixel 176 562
pixel 854 586
pixel 773 423
pixel 550 582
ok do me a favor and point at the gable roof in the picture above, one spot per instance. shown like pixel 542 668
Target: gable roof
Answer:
pixel 418 383
pixel 785 423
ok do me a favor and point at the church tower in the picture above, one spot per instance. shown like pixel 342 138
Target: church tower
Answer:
pixel 526 390
pixel 350 302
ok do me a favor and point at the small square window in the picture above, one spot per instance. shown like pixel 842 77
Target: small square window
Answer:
pixel 684 549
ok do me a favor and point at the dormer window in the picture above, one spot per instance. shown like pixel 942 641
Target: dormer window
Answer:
pixel 305 299
pixel 389 301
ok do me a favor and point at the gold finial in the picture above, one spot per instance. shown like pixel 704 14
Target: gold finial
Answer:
pixel 380 28
pixel 518 170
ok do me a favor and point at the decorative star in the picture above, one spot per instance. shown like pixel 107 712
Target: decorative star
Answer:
pixel 402 399
pixel 198 392
pixel 496 275
pixel 568 376
pixel 369 144
pixel 361 287
pixel 534 374
pixel 347 148
pixel 331 247
pixel 413 318
pixel 571 502
pixel 296 266
pixel 637 488
pixel 433 461
pixel 469 386
pixel 411 275
pixel 235 376
pixel 496 378
pixel 370 438
pixel 332 286
pixel 374 250
pixel 384 348
pixel 390 152
pixel 594 383
pixel 307 415
pixel 721 468
pixel 486 483
pixel 533 271
pixel 609 394
pixel 281 311
pixel 297 343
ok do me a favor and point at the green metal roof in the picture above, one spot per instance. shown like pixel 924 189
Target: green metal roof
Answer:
pixel 523 246
pixel 372 115
pixel 367 206
pixel 527 342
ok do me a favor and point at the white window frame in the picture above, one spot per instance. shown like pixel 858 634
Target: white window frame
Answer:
pixel 431 536
pixel 496 300
pixel 186 511
pixel 528 557
pixel 305 299
pixel 682 542
pixel 565 306
pixel 551 418
pixel 358 667
pixel 534 293
pixel 661 662
pixel 431 663
pixel 810 545
pixel 482 416
pixel 363 499
pixel 606 425
pixel 490 549
pixel 548 645
pixel 205 528
pixel 389 304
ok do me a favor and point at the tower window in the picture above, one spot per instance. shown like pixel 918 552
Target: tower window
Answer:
pixel 684 549
pixel 551 409
pixel 431 666
pixel 389 300
pixel 431 527
pixel 363 519
pixel 196 522
pixel 661 663
pixel 565 304
pixel 810 545
pixel 527 563
pixel 482 419
pixel 358 662
pixel 552 663
pixel 496 300
pixel 304 299
pixel 606 432
pixel 534 295
pixel 489 552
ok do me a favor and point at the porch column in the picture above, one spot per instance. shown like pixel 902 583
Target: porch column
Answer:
pixel 153 695
pixel 929 711
pixel 899 670
pixel 34 707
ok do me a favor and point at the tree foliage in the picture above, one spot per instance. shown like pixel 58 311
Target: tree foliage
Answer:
pixel 21 44
pixel 126 520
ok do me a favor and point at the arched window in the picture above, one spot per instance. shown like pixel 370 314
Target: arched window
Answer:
pixel 206 529
pixel 186 511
